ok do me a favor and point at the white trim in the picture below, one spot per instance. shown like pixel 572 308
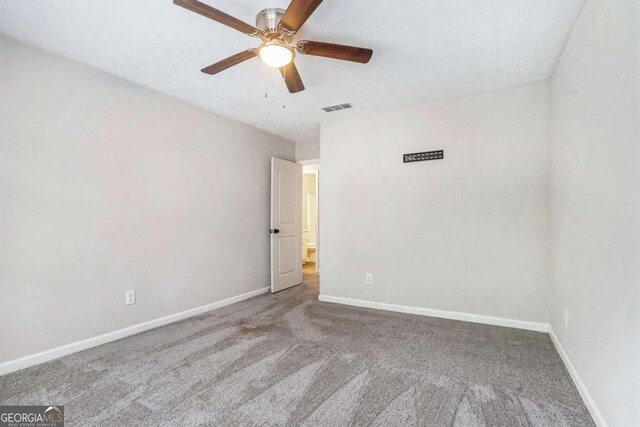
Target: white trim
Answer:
pixel 582 389
pixel 497 321
pixel 308 162
pixel 45 356
pixel 465 317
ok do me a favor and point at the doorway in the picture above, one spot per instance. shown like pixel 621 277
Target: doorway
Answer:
pixel 295 231
pixel 310 217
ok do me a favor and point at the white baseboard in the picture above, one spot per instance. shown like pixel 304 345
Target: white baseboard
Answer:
pixel 45 356
pixel 497 321
pixel 582 389
pixel 453 315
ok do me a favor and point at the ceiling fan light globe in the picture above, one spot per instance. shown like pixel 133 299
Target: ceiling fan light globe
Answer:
pixel 275 54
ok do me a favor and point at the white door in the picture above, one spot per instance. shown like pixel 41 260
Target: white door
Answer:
pixel 286 224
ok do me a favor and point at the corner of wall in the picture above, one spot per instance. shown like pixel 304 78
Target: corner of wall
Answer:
pixel 307 150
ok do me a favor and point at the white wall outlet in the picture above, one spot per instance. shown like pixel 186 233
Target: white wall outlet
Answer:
pixel 566 317
pixel 130 297
pixel 369 279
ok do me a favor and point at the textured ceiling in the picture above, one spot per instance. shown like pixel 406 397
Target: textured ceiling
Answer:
pixel 423 50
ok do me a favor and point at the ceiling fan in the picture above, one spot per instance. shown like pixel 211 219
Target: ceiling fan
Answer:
pixel 276 28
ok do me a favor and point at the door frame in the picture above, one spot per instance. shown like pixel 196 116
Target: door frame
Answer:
pixel 317 174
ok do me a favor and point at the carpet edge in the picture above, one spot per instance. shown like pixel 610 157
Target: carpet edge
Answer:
pixel 443 314
pixel 74 347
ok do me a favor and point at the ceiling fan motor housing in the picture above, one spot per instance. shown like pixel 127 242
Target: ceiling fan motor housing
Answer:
pixel 267 22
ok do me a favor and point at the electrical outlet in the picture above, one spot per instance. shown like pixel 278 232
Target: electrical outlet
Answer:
pixel 130 297
pixel 369 280
pixel 566 317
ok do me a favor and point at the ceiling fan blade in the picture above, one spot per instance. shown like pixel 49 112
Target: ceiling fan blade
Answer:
pixel 217 15
pixel 292 78
pixel 229 62
pixel 335 51
pixel 297 14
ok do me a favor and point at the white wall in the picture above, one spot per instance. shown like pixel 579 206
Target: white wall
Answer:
pixel 468 233
pixel 595 199
pixel 108 186
pixel 307 151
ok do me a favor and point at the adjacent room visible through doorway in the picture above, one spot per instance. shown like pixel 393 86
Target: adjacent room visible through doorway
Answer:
pixel 310 209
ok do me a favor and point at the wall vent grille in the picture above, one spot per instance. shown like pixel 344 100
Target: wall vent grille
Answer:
pixel 337 107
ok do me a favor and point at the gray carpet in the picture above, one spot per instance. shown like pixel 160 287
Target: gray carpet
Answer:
pixel 287 359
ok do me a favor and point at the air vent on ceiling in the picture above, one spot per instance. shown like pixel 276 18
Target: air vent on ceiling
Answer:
pixel 337 107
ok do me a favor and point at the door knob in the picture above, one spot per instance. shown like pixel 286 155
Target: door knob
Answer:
pixel 274 231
